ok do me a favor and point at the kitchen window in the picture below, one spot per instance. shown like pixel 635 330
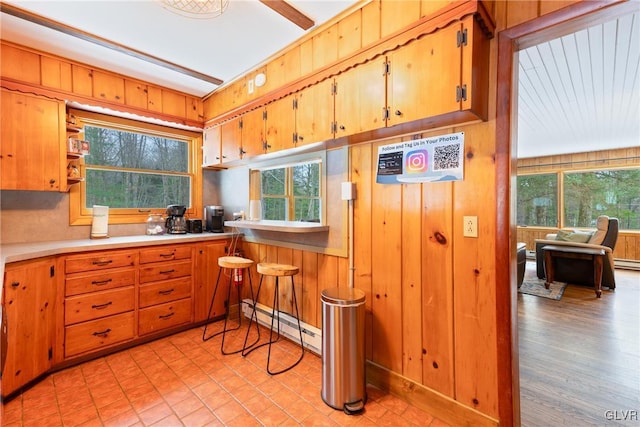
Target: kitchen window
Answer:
pixel 135 168
pixel 291 191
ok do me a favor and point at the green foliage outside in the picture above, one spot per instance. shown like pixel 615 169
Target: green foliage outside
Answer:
pixel 586 195
pixel 134 170
pixel 297 186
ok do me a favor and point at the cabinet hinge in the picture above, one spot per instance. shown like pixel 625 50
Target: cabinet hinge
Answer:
pixel 462 37
pixel 334 127
pixel 50 353
pixel 386 68
pixel 52 271
pixel 240 124
pixel 385 114
pixel 294 137
pixel 461 93
pixel 295 104
pixel 264 115
pixel 334 88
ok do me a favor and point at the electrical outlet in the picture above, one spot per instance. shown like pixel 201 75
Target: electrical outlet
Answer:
pixel 470 224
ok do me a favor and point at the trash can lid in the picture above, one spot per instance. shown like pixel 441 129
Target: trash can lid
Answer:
pixel 343 296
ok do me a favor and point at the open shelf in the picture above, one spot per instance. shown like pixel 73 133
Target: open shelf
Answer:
pixel 282 226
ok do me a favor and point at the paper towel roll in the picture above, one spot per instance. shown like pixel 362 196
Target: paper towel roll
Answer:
pixel 255 210
pixel 100 222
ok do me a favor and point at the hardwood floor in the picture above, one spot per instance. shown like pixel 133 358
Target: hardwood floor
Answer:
pixel 580 356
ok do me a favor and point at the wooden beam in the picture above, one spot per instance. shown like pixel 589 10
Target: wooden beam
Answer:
pixel 289 12
pixel 74 32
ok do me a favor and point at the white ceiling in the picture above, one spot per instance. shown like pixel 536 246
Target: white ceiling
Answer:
pixel 227 46
pixel 581 92
pixel 578 93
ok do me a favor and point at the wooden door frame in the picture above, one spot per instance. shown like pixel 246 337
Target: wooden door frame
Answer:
pixel 510 41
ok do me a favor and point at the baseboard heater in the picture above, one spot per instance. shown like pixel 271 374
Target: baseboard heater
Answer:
pixel 311 335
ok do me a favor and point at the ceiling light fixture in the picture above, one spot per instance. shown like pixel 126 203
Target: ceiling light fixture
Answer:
pixel 199 9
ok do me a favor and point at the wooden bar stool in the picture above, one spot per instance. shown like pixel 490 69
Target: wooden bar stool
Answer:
pixel 231 263
pixel 277 271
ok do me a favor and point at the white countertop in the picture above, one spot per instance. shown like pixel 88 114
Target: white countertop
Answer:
pixel 24 251
pixel 281 226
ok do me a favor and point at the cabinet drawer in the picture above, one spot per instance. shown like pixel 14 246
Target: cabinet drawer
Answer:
pixel 98 304
pixel 99 282
pixel 165 271
pixel 99 333
pixel 165 254
pixel 164 316
pixel 98 261
pixel 161 292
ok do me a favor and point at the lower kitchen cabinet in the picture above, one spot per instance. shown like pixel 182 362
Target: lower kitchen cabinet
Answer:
pixel 30 303
pixel 68 308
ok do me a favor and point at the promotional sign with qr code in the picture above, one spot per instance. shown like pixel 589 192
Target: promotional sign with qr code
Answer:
pixel 437 158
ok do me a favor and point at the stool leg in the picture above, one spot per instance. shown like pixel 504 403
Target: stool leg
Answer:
pixel 226 317
pixel 295 304
pixel 215 290
pixel 245 348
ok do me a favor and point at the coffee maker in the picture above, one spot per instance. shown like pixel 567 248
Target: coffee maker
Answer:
pixel 176 223
pixel 214 219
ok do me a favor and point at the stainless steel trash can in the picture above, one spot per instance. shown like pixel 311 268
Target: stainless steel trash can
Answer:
pixel 343 359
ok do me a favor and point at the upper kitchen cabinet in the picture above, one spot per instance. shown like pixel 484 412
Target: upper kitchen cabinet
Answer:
pixel 424 81
pixel 253 132
pixel 222 143
pixel 315 113
pixel 108 87
pixel 33 132
pixel 211 138
pixel 360 98
pixel 280 125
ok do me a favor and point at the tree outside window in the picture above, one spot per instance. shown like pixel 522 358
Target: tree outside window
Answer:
pixel 292 193
pixel 538 200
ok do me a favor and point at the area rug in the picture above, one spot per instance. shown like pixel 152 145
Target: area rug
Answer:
pixel 535 286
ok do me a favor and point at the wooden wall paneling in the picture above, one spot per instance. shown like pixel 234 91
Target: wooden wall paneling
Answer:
pixel 429 7
pixel 371 23
pixel 343 272
pixel 325 47
pixel 135 94
pixel 548 6
pixel 474 276
pixel 268 254
pixel 154 98
pixel 82 80
pixel 56 74
pixel 285 256
pixel 306 57
pixel 20 64
pixel 349 34
pixel 386 259
pixel 309 300
pixel 361 173
pixel 398 14
pixel 275 71
pixel 521 11
pixel 437 287
pixel 411 259
pixel 298 280
pixel 108 87
pixel 251 251
pixel 194 108
pixel 174 103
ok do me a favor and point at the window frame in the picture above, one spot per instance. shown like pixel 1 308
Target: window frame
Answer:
pixel 560 213
pixel 79 214
pixel 255 181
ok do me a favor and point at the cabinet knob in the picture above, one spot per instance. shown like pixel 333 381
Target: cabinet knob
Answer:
pixel 15 284
pixel 398 113
pixel 52 181
pixel 342 127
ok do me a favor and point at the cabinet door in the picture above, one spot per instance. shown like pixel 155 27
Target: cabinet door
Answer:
pixel 253 132
pixel 360 98
pixel 29 299
pixel 315 113
pixel 211 139
pixel 205 280
pixel 32 153
pixel 231 142
pixel 280 125
pixel 419 86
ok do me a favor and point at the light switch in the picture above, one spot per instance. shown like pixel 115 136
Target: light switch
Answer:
pixel 470 224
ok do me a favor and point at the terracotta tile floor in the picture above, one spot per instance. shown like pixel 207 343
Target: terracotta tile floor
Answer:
pixel 181 380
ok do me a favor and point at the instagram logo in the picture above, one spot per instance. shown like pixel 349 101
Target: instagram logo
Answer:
pixel 416 161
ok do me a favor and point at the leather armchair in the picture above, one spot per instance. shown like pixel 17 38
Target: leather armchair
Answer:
pixel 580 271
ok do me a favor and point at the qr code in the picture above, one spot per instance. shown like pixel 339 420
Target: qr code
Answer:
pixel 446 157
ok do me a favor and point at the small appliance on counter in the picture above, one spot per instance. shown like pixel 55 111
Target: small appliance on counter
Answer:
pixel 214 219
pixel 194 225
pixel 176 223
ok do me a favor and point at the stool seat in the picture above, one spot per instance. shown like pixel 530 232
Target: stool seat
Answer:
pixel 272 269
pixel 275 270
pixel 234 262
